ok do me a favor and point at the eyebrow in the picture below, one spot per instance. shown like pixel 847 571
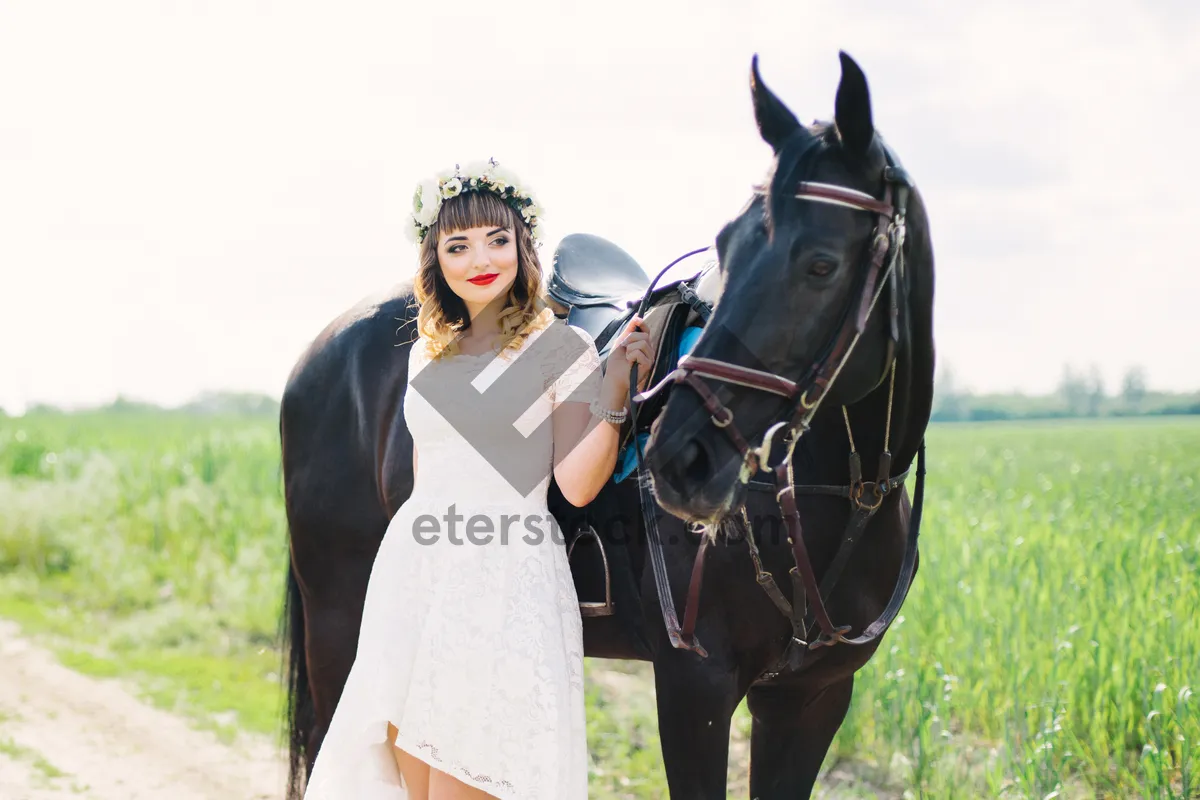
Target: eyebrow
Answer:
pixel 461 238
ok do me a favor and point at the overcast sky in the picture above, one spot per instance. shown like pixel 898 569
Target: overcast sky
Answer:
pixel 189 191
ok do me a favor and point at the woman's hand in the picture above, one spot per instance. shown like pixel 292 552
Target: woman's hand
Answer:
pixel 633 346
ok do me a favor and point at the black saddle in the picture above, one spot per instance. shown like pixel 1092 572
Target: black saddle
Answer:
pixel 595 279
pixel 600 284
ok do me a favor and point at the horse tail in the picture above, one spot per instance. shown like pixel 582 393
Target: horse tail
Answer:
pixel 300 716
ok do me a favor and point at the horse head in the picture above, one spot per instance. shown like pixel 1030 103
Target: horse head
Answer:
pixel 824 273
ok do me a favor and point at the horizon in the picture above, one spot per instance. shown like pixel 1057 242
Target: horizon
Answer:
pixel 190 195
pixel 199 400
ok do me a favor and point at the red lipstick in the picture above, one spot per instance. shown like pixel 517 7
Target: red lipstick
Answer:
pixel 484 280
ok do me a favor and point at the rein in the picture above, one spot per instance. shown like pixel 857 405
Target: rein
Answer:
pixel 806 394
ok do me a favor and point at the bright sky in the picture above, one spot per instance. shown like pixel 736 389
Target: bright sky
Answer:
pixel 189 191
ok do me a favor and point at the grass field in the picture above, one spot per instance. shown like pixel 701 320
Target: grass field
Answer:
pixel 1050 645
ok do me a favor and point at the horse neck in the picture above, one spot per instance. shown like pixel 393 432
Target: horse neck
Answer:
pixel 823 453
pixel 869 420
pixel 912 401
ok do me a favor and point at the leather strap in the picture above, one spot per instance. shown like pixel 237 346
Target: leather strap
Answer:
pixel 854 531
pixel 849 197
pixel 907 567
pixel 793 654
pixel 764 578
pixel 791 518
pixel 735 373
pixel 662 581
pixel 692 606
pixel 817 380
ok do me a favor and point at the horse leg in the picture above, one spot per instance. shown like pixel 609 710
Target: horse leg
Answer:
pixel 696 700
pixel 791 734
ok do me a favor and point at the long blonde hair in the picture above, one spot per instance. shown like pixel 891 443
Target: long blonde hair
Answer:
pixel 442 315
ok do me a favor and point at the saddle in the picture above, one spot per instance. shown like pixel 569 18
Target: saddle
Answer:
pixel 595 280
pixel 601 286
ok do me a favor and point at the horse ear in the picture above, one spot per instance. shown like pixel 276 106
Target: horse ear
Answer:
pixel 775 122
pixel 852 111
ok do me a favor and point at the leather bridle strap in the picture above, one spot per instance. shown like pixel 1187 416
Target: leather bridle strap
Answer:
pixel 889 237
pixel 885 240
pixel 907 568
pixel 841 196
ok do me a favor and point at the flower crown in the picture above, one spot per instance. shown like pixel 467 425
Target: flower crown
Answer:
pixel 479 176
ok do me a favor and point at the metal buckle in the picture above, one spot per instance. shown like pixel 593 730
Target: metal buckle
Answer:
pixel 763 451
pixel 838 635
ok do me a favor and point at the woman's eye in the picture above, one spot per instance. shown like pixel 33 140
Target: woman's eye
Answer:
pixel 500 240
pixel 821 267
pixel 457 248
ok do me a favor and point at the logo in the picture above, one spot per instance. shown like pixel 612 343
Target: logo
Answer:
pixel 498 418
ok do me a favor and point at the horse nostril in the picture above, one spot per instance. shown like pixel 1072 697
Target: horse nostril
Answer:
pixel 694 459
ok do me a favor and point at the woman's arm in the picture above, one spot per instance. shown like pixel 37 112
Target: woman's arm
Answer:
pixel 585 446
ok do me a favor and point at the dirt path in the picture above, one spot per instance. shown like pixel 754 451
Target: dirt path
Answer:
pixel 66 735
pixel 63 735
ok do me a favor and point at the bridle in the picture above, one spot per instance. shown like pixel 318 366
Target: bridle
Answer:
pixel 884 270
pixel 807 393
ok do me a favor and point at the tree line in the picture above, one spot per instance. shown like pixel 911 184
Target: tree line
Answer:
pixel 1081 393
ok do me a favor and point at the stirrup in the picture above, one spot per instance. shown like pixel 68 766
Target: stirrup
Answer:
pixel 594 608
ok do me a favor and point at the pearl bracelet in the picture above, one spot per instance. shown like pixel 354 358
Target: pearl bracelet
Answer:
pixel 608 415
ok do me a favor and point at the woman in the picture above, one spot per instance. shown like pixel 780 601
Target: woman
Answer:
pixel 468 679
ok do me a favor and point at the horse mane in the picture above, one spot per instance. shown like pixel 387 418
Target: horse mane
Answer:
pixel 795 161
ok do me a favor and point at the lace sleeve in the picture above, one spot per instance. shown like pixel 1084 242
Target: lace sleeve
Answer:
pixel 572 370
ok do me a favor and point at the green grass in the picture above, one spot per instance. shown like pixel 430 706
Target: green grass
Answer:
pixel 45 769
pixel 1051 642
pixel 150 546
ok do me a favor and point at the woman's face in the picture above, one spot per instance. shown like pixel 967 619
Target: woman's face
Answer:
pixel 479 264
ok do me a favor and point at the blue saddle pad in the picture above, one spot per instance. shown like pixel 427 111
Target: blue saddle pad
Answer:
pixel 627 458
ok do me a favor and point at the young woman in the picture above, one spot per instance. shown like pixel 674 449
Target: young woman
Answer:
pixel 468 679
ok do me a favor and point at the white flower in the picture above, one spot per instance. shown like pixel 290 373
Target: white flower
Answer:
pixel 426 203
pixel 481 175
pixel 503 178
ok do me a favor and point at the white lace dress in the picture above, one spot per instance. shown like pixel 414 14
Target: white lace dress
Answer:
pixel 471 641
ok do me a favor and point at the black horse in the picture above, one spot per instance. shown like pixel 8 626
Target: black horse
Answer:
pixel 836 295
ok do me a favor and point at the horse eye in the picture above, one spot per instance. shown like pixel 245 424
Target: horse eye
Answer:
pixel 821 267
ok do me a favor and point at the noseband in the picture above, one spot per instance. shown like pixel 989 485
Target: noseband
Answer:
pixel 884 269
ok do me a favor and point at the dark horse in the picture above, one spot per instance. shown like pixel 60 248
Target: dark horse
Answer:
pixel 817 340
